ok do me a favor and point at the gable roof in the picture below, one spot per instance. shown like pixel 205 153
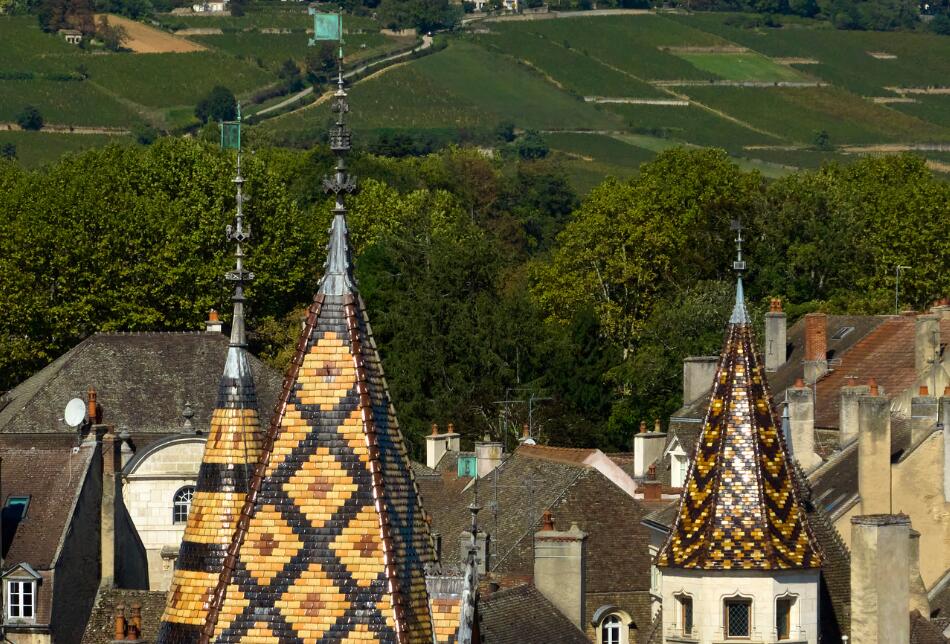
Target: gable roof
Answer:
pixel 522 615
pixel 740 507
pixel 53 479
pixel 143 381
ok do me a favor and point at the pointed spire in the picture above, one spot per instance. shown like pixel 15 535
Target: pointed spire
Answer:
pixel 338 276
pixel 469 598
pixel 739 313
pixel 239 276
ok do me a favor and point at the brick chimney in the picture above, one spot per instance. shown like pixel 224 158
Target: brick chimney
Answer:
pixel 848 412
pixel 652 489
pixel 647 448
pixel 926 343
pixel 880 575
pixel 801 422
pixel 698 375
pixel 560 564
pixel 213 324
pixel 816 347
pixel 776 338
pixel 874 453
pixel 923 415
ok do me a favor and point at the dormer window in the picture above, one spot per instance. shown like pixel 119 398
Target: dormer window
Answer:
pixel 21 600
pixel 182 504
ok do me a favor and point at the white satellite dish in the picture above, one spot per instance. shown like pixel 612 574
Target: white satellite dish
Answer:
pixel 75 412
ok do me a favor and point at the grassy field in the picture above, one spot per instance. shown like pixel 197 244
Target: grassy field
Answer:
pixel 38 148
pixel 599 148
pixel 798 114
pixel 742 67
pixel 64 103
pixel 463 87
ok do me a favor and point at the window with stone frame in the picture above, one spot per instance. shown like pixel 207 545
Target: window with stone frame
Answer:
pixel 783 617
pixel 611 630
pixel 737 615
pixel 21 600
pixel 685 605
pixel 182 504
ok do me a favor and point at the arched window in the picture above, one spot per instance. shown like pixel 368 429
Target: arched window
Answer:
pixel 182 503
pixel 610 630
pixel 783 617
pixel 685 614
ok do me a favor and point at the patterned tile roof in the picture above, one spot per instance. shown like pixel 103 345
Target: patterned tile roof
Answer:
pixel 232 450
pixel 332 543
pixel 740 508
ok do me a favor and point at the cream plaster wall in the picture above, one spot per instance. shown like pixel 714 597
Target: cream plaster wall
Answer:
pixel 710 589
pixel 148 492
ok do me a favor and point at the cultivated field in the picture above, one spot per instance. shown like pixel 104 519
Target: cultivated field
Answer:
pixel 143 39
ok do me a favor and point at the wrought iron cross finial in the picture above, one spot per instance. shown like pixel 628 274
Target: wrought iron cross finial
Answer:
pixel 739 264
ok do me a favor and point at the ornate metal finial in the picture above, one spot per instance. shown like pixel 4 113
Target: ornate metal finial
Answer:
pixel 474 508
pixel 338 277
pixel 739 313
pixel 239 234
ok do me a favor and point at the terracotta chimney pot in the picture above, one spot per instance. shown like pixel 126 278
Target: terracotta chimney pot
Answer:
pixel 451 428
pixel 872 385
pixel 923 391
pixel 946 391
pixel 435 429
pixel 525 431
pixel 547 521
pixel 799 383
pixel 137 617
pixel 119 622
pixel 775 305
pixel 651 472
pixel 643 426
pixel 656 426
pixel 93 406
pixel 213 316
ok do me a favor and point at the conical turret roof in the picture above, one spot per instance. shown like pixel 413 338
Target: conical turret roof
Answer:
pixel 739 508
pixel 232 450
pixel 333 543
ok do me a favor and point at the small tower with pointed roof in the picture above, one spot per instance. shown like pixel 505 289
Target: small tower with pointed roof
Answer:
pixel 332 542
pixel 232 450
pixel 741 562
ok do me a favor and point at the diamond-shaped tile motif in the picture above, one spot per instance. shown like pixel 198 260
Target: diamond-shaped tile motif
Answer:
pixel 739 508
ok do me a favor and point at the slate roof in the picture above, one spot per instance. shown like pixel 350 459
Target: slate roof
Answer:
pixel 522 615
pixel 52 478
pixel 101 626
pixel 333 541
pixel 143 381
pixel 740 508
pixel 923 631
pixel 886 354
pixel 231 451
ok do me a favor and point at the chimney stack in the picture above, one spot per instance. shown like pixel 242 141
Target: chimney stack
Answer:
pixel 880 575
pixel 488 456
pixel 926 343
pixel 801 421
pixel 848 412
pixel 816 347
pixel 874 453
pixel 438 444
pixel 652 489
pixel 647 448
pixel 945 422
pixel 698 375
pixel 110 483
pixel 526 436
pixel 923 415
pixel 776 338
pixel 213 325
pixel 560 562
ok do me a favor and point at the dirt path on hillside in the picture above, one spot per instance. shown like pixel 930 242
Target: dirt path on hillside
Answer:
pixel 143 39
pixel 53 128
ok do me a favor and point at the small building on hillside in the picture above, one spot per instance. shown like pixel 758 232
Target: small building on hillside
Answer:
pixel 72 36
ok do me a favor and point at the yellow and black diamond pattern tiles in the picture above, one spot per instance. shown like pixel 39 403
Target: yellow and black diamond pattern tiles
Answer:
pixel 739 509
pixel 231 452
pixel 337 541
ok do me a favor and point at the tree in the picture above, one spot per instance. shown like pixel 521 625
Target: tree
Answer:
pixel 322 63
pixel 30 118
pixel 219 105
pixel 823 140
pixel 940 24
pixel 290 73
pixel 505 131
pixel 531 146
pixel 8 151
pixel 112 36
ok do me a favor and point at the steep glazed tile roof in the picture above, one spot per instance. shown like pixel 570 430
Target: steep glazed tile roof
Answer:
pixel 740 508
pixel 231 452
pixel 333 542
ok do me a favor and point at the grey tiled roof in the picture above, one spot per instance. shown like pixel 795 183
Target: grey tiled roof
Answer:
pixel 522 615
pixel 101 626
pixel 923 631
pixel 142 380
